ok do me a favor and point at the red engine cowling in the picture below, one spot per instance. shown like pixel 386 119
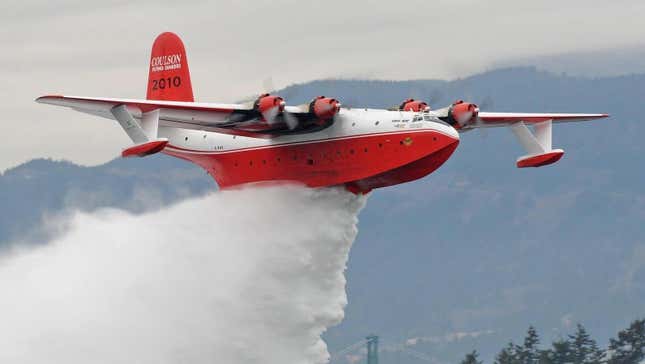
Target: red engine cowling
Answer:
pixel 414 105
pixel 269 106
pixel 463 113
pixel 324 107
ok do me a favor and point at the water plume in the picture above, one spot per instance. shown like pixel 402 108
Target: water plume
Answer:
pixel 246 276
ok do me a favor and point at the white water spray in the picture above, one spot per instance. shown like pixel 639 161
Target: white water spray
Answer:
pixel 247 276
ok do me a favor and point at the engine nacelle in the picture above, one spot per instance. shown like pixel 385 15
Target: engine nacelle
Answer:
pixel 324 108
pixel 462 113
pixel 269 106
pixel 414 105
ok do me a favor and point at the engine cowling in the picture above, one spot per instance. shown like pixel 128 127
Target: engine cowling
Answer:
pixel 324 108
pixel 414 105
pixel 462 113
pixel 269 106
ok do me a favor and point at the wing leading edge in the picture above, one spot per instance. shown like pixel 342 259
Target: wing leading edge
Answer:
pixel 492 119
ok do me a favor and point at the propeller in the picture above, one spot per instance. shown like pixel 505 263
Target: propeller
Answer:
pixel 324 108
pixel 331 105
pixel 290 120
pixel 487 103
pixel 275 113
pixel 463 113
pixel 271 114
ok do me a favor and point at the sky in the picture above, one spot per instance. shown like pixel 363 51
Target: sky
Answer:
pixel 90 48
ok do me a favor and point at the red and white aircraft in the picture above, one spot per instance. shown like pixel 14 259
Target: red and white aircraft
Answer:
pixel 317 144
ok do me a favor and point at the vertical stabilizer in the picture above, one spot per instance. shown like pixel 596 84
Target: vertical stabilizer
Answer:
pixel 169 78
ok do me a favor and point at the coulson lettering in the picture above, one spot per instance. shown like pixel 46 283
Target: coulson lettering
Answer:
pixel 164 63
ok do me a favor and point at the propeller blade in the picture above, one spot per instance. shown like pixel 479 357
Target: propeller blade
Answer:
pixel 290 120
pixel 483 131
pixel 271 114
pixel 326 107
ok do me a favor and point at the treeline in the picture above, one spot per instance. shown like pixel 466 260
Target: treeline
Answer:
pixel 628 347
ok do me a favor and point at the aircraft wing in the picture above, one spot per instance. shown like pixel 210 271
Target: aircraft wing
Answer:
pixel 532 130
pixel 493 119
pixel 222 118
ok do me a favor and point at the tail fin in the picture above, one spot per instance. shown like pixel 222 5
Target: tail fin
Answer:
pixel 169 78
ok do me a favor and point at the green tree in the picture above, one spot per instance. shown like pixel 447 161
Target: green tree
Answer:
pixel 559 353
pixel 508 355
pixel 529 353
pixel 472 358
pixel 584 349
pixel 629 347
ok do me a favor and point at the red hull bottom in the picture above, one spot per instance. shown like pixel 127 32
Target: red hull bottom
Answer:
pixel 361 163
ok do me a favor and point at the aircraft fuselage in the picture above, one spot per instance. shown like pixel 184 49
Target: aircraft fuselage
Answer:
pixel 363 149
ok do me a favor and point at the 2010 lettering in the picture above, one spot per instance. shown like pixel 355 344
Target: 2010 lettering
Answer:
pixel 169 82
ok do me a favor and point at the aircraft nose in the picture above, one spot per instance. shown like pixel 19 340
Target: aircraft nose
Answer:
pixel 447 130
pixel 453 133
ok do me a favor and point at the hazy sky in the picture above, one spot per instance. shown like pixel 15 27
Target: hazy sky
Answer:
pixel 93 48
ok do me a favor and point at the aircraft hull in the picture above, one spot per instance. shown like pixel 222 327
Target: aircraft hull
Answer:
pixel 361 163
